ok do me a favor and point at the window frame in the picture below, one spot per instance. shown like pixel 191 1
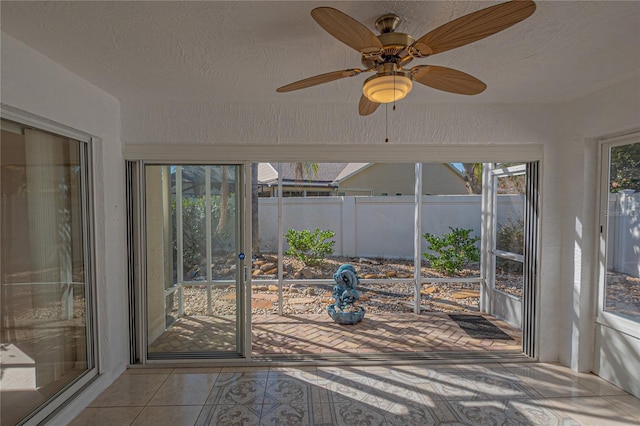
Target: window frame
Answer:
pixel 498 172
pixel 603 317
pixel 90 225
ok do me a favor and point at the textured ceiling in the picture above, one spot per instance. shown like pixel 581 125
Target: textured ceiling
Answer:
pixel 243 50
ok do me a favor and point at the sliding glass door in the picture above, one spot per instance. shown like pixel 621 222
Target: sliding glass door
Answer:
pixel 511 218
pixel 45 331
pixel 194 261
pixel 191 300
pixel 507 251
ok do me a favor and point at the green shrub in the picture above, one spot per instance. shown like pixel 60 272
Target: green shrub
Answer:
pixel 194 233
pixel 510 236
pixel 310 247
pixel 451 251
pixel 193 236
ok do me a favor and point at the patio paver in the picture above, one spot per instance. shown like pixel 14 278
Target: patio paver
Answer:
pixel 317 334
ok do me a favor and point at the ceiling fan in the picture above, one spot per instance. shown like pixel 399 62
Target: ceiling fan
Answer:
pixel 388 53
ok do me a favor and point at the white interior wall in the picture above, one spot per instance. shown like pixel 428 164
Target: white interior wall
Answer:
pixel 606 113
pixel 36 85
pixel 312 123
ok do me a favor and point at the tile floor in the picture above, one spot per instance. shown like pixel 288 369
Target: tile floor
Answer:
pixel 480 394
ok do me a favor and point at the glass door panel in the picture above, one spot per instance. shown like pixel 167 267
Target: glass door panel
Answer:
pixel 193 262
pixel 622 217
pixel 507 241
pixel 509 238
pixel 45 278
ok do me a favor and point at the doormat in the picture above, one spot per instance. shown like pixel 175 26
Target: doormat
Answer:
pixel 479 327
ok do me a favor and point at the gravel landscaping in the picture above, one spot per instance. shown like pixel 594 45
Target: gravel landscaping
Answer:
pixel 393 295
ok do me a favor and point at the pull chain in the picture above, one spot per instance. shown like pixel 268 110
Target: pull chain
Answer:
pixel 386 112
pixel 386 123
pixel 394 92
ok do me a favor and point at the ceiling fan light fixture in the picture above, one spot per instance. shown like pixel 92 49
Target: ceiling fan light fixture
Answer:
pixel 383 89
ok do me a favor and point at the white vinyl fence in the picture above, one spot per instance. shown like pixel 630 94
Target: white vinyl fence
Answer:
pixel 623 251
pixel 377 226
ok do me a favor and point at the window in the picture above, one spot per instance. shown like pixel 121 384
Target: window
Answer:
pixel 620 233
pixel 193 277
pixel 46 336
pixel 510 182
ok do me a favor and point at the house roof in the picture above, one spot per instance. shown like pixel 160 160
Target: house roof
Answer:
pixel 350 170
pixel 267 173
pixel 326 174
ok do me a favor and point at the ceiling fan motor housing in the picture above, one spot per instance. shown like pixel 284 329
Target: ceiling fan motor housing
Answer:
pixel 393 44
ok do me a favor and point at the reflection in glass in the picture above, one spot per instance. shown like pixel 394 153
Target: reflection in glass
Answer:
pixel 192 258
pixel 194 223
pixel 44 272
pixel 509 276
pixel 622 290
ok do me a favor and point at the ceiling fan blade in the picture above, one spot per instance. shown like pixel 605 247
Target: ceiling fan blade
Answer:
pixel 474 26
pixel 448 80
pixel 366 107
pixel 346 29
pixel 319 79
